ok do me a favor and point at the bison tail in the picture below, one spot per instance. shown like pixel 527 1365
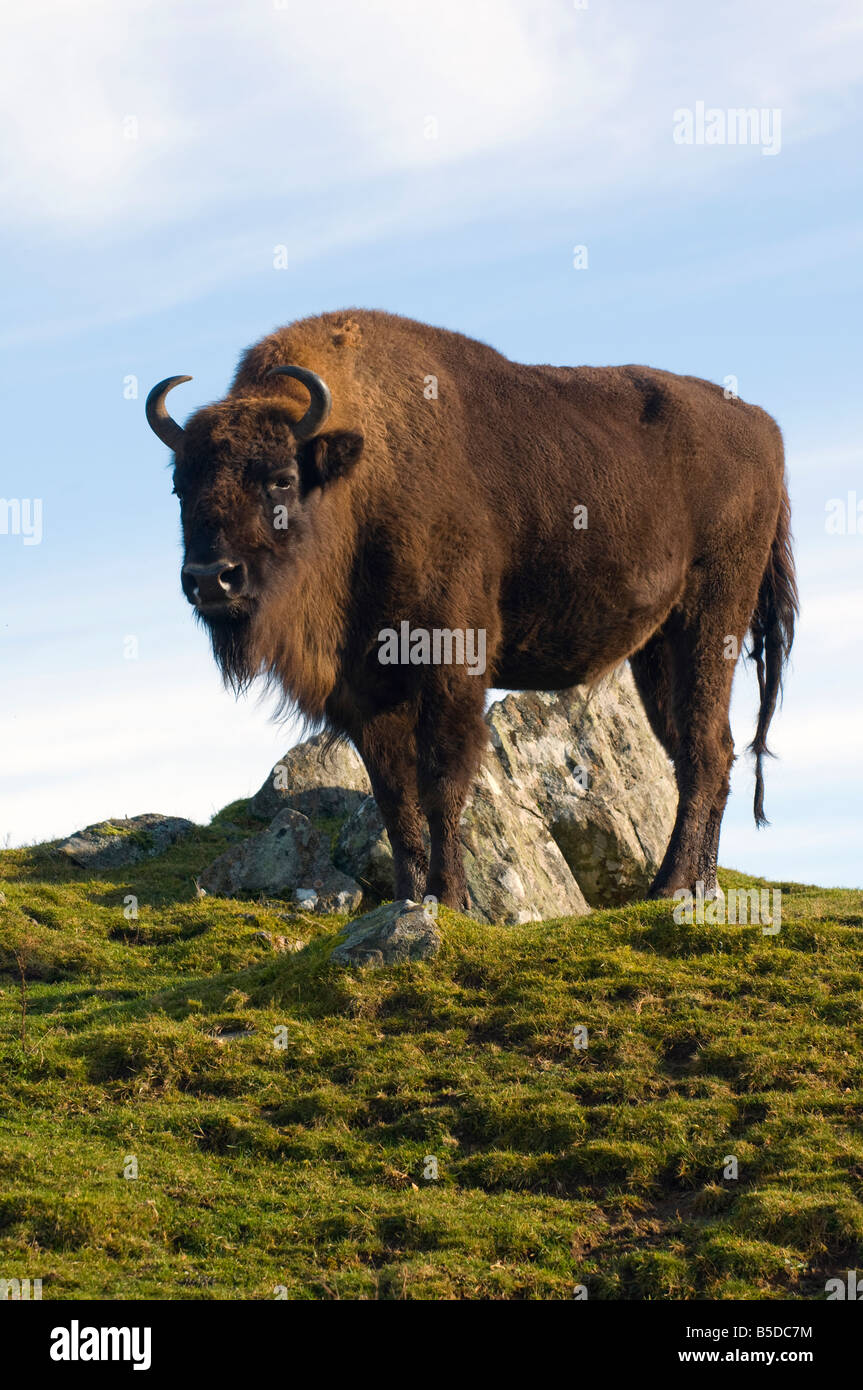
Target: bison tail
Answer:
pixel 772 632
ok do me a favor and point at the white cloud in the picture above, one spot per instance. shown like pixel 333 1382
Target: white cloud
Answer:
pixel 256 99
pixel 260 124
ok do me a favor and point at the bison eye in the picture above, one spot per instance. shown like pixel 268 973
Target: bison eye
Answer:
pixel 281 483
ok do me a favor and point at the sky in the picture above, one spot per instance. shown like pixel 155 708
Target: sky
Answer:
pixel 178 180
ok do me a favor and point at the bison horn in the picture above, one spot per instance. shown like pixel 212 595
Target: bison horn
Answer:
pixel 158 418
pixel 322 401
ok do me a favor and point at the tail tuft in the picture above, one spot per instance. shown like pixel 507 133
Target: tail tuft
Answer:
pixel 772 633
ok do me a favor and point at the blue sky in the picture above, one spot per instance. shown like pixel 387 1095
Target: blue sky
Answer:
pixel 155 155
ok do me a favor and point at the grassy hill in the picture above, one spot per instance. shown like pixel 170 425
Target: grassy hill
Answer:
pixel 303 1166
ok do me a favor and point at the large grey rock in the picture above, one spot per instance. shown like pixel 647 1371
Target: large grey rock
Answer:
pixel 592 769
pixel 290 857
pixel 114 843
pixel 515 871
pixel 573 806
pixel 389 935
pixel 328 784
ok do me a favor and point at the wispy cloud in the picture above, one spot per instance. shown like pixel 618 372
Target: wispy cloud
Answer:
pixel 125 118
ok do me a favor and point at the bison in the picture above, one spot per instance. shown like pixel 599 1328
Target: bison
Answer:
pixel 369 477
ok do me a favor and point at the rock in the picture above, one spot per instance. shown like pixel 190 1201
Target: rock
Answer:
pixel 389 935
pixel 231 1035
pixel 329 784
pixel 363 850
pixel 573 807
pixel 592 769
pixel 515 871
pixel 289 857
pixel 279 943
pixel 113 843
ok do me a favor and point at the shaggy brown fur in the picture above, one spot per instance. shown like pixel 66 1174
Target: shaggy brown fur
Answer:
pixel 457 513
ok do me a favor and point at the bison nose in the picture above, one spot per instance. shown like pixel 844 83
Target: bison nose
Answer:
pixel 214 583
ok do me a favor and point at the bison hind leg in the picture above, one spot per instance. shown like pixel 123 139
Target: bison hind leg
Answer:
pixel 685 687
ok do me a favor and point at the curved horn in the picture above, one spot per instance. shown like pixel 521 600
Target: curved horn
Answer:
pixel 322 401
pixel 158 418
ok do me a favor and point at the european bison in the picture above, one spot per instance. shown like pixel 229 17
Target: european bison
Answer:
pixel 378 505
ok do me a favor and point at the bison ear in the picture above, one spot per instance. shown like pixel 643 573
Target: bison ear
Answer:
pixel 329 456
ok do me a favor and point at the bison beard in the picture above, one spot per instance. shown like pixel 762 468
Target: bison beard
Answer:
pixel 425 479
pixel 230 639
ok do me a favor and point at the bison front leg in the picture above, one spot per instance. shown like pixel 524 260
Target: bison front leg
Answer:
pixel 451 736
pixel 387 746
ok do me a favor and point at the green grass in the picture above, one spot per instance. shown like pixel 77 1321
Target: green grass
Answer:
pixel 303 1166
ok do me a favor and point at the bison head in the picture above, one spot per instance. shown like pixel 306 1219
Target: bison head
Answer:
pixel 250 477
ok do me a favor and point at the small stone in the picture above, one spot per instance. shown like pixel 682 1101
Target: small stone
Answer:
pixel 279 943
pixel 391 934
